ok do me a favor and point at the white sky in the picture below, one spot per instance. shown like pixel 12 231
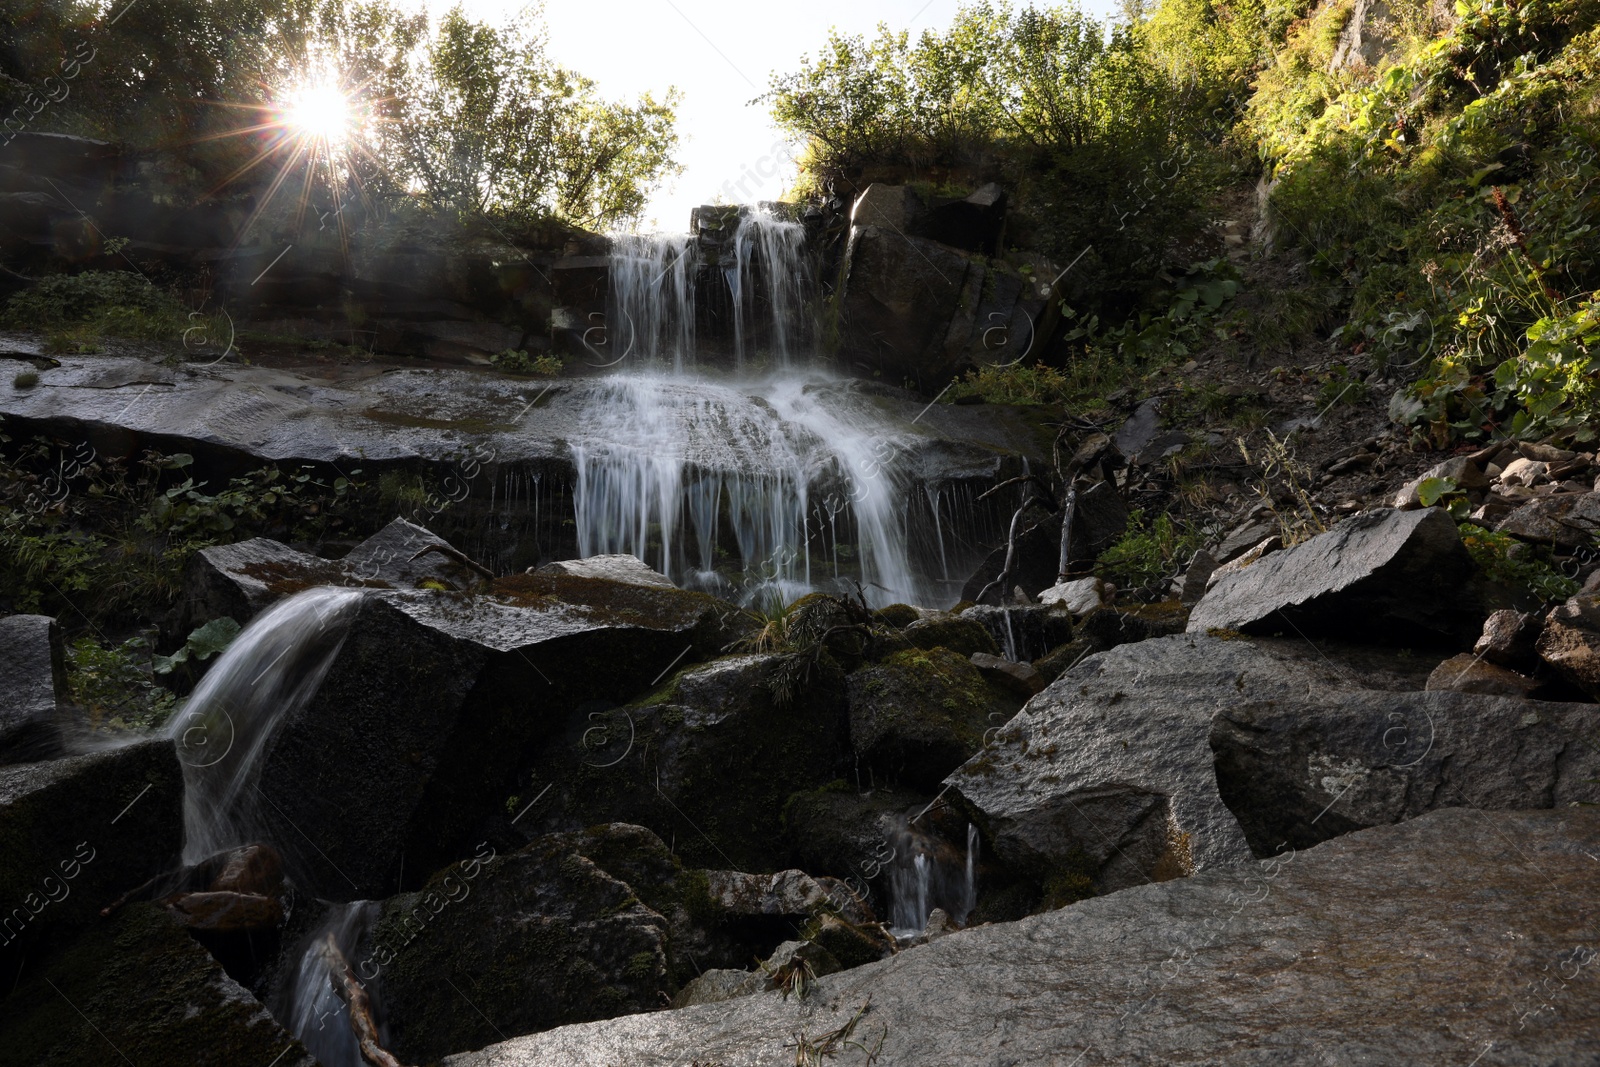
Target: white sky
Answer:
pixel 720 53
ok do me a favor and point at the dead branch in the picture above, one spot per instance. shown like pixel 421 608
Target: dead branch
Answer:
pixel 460 557
pixel 354 995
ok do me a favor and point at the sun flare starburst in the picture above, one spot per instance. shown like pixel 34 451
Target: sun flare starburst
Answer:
pixel 320 111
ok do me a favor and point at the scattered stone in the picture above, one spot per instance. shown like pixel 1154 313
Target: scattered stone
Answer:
pixel 616 568
pixel 1570 642
pixel 1524 472
pixel 1081 596
pixel 1020 678
pixel 1546 453
pixel 1469 674
pixel 1382 574
pixel 1461 470
pixel 1508 639
pixel 1418 912
pixel 1140 429
pixel 1243 560
pixel 1570 520
pixel 1196 577
pixel 33 688
pixel 787 894
pixel 1242 539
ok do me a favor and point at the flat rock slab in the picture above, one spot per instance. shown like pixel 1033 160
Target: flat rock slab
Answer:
pixel 1386 573
pixel 394 415
pixel 1458 935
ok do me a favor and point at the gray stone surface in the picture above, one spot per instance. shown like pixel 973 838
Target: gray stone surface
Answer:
pixel 241 580
pixel 1427 942
pixel 618 568
pixel 1570 520
pixel 77 833
pixel 1382 574
pixel 1241 746
pixel 33 686
pixel 399 555
pixel 1570 642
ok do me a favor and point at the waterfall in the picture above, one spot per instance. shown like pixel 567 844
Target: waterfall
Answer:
pixel 313 1011
pixel 770 249
pixel 269 671
pixel 926 873
pixel 652 314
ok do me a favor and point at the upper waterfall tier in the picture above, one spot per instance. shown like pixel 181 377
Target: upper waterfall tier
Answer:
pixel 737 291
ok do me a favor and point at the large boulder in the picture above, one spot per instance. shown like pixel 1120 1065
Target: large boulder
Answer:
pixel 1569 520
pixel 838 830
pixel 138 989
pixel 618 568
pixel 1189 752
pixel 902 295
pixel 535 939
pixel 1385 946
pixel 407 556
pixel 77 833
pixel 707 761
pixel 919 715
pixel 434 700
pixel 33 687
pixel 1388 574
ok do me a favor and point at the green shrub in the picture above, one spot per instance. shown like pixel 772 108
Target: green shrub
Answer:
pixel 77 308
pixel 1151 552
pixel 1505 559
pixel 115 685
pixel 517 361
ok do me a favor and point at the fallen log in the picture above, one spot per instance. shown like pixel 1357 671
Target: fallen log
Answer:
pixel 350 990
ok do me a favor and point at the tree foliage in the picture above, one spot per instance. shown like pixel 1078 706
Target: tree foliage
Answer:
pixel 475 117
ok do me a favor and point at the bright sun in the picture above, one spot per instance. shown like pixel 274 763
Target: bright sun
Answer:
pixel 320 111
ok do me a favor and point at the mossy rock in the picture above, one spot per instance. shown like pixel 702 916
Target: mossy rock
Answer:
pixel 920 714
pixel 835 830
pixel 137 988
pixel 958 633
pixel 898 616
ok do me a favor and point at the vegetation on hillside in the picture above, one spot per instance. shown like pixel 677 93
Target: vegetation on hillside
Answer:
pixel 1441 187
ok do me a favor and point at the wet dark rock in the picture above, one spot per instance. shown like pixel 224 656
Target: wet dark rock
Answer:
pixel 1197 577
pixel 33 688
pixel 80 832
pixel 532 940
pixel 1020 678
pixel 788 894
pixel 436 699
pixel 919 715
pixel 138 988
pixel 1383 574
pixel 707 761
pixel 1021 633
pixel 838 830
pixel 1250 965
pixel 406 556
pixel 973 224
pixel 1570 642
pixel 902 294
pixel 241 580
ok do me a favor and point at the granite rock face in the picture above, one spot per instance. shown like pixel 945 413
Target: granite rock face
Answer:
pixel 33 687
pixel 1418 943
pixel 1383 573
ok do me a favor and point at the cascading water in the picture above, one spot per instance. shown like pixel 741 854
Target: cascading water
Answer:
pixel 928 873
pixel 313 1010
pixel 760 489
pixel 269 671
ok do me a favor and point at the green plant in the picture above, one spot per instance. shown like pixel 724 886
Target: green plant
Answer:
pixel 1012 383
pixel 76 309
pixel 115 685
pixel 517 361
pixel 202 643
pixel 1505 559
pixel 1150 552
pixel 25 379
